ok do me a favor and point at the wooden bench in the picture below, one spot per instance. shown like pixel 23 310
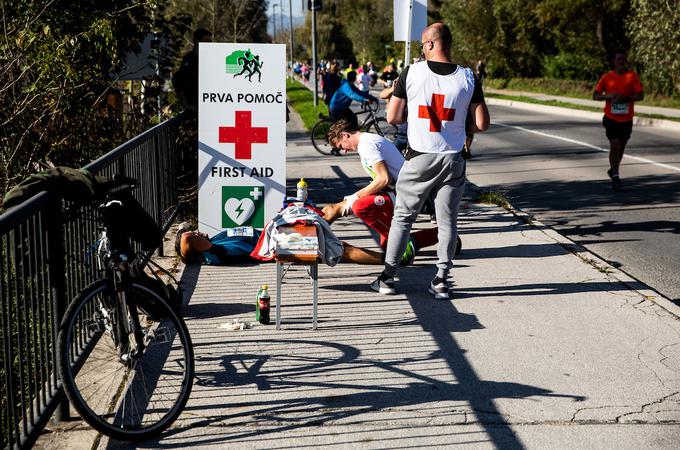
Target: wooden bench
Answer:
pixel 299 246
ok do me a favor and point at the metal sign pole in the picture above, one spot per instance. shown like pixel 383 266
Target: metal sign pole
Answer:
pixel 274 6
pixel 316 85
pixel 407 55
pixel 283 36
pixel 290 16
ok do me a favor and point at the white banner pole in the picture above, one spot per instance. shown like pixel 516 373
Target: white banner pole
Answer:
pixel 407 56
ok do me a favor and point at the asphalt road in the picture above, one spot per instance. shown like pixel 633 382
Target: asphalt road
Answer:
pixel 554 167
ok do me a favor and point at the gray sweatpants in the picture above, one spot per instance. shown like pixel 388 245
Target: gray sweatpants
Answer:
pixel 443 174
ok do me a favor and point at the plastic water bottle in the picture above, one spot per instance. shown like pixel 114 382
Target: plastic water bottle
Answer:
pixel 302 190
pixel 262 306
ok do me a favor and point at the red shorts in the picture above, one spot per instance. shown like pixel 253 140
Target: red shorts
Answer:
pixel 376 211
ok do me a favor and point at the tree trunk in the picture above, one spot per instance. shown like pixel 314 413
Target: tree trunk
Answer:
pixel 600 32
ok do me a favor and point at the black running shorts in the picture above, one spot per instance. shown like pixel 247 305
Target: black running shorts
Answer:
pixel 617 130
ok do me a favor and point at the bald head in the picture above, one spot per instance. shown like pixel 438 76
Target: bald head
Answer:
pixel 439 33
pixel 436 43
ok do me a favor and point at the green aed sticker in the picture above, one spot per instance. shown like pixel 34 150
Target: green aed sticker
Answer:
pixel 242 205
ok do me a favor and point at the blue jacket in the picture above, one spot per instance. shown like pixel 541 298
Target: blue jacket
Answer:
pixel 345 94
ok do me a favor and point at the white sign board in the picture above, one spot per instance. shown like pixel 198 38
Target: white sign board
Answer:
pixel 418 21
pixel 241 134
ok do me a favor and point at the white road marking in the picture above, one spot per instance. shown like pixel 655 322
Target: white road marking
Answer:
pixel 585 144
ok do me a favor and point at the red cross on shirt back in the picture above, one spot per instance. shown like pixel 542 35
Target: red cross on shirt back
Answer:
pixel 243 135
pixel 436 112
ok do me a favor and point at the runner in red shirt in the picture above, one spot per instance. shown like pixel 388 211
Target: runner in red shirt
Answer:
pixel 620 88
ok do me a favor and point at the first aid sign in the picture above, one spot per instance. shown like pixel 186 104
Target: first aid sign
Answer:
pixel 241 134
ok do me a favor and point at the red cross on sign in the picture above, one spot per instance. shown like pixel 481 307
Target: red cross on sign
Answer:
pixel 436 112
pixel 243 135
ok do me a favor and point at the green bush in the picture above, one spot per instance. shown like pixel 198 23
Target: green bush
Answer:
pixel 573 66
pixel 568 88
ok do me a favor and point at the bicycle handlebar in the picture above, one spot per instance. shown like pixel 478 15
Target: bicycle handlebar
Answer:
pixel 366 105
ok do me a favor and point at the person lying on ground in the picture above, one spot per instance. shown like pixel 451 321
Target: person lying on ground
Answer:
pixel 223 249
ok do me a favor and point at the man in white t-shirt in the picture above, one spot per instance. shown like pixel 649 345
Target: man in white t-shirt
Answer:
pixel 374 203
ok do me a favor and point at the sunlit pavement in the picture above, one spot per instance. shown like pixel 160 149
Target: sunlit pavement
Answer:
pixel 538 348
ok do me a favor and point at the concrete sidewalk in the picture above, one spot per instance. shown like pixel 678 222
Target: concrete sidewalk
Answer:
pixel 539 347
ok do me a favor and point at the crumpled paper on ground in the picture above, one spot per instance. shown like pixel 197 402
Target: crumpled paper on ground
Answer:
pixel 236 325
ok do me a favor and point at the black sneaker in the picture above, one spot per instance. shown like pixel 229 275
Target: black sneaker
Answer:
pixel 610 173
pixel 439 288
pixel 385 287
pixel 616 183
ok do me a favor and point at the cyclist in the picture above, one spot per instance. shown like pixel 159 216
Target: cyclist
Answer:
pixel 343 97
pixel 374 203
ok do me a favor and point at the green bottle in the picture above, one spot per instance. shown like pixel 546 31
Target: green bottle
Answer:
pixel 257 305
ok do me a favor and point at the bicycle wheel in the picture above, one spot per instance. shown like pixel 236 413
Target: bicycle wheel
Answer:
pixel 320 137
pixel 383 128
pixel 126 396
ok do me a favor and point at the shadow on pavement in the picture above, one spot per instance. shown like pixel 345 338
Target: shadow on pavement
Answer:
pixel 189 280
pixel 305 373
pixel 592 194
pixel 211 310
pixel 274 416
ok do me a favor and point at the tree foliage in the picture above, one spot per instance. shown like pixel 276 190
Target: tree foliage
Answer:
pixel 354 32
pixel 654 28
pixel 562 39
pixel 56 61
pixel 529 38
pixel 227 20
pixel 568 39
pixel 333 40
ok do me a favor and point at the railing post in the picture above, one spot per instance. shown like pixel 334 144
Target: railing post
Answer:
pixel 159 186
pixel 57 271
pixel 120 166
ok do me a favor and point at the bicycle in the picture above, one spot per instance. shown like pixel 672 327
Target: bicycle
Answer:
pixel 371 123
pixel 124 353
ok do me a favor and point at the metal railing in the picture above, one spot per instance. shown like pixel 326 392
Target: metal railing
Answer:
pixel 43 266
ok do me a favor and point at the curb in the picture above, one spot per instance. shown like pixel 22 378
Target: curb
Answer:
pixel 637 120
pixel 591 258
